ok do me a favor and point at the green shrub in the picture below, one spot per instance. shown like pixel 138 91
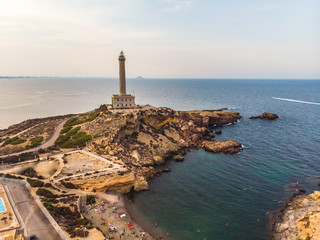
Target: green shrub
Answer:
pixel 80 222
pixel 69 185
pixel 13 141
pixel 91 199
pixel 72 121
pixel 61 139
pixel 18 141
pixel 48 185
pixel 35 142
pixel 29 172
pixel 50 200
pixel 65 129
pixel 93 116
pixel 72 131
pixel 12 176
pixel 35 183
pixel 45 193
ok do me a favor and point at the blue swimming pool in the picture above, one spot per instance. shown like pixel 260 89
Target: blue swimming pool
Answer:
pixel 2 208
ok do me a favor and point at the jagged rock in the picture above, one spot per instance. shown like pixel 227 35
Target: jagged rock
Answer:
pixel 158 160
pixel 140 184
pixel 229 146
pixel 190 124
pixel 266 115
pixel 195 137
pixel 178 158
pixel 218 131
pixel 136 155
pixel 210 134
pixel 184 127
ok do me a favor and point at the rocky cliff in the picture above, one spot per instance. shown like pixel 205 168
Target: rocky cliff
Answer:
pixel 300 219
pixel 144 138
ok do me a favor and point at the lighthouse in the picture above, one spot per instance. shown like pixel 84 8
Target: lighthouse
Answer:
pixel 122 100
pixel 122 74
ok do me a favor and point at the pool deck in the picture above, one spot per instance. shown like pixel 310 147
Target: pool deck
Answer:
pixel 9 221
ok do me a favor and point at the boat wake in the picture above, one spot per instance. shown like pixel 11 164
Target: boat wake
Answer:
pixel 293 100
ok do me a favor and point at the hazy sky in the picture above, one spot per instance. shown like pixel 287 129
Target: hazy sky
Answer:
pixel 161 38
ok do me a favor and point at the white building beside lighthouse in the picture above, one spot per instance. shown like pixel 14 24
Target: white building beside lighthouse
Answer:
pixel 122 100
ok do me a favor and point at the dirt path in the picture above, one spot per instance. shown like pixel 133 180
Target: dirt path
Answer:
pixel 49 143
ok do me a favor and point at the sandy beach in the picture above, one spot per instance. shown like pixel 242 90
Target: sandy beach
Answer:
pixel 111 216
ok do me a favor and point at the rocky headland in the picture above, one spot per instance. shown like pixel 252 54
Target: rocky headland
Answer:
pixel 134 140
pixel 142 139
pixel 299 219
pixel 105 151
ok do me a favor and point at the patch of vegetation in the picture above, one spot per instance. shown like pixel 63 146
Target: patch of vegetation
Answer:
pixel 72 132
pixel 65 129
pixel 29 172
pixel 91 199
pixel 13 141
pixel 45 193
pixel 35 183
pixel 12 176
pixel 80 222
pixel 35 142
pixel 92 116
pixel 72 122
pixel 50 200
pixel 48 185
pixel 69 185
pixel 73 138
pixel 168 120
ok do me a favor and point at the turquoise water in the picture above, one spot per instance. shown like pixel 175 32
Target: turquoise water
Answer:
pixel 204 196
pixel 2 208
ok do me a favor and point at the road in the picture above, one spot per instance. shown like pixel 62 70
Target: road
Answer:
pixel 49 143
pixel 34 219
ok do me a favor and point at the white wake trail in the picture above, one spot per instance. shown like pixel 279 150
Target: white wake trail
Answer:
pixel 298 101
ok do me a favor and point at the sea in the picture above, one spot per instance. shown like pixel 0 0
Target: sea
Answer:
pixel 207 196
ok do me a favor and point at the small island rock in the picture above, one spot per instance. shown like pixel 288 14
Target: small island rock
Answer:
pixel 266 115
pixel 178 158
pixel 228 147
pixel 218 131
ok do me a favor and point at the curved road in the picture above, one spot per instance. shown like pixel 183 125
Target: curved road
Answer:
pixel 49 143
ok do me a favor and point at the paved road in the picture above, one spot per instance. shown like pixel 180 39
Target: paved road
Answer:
pixel 34 219
pixel 49 143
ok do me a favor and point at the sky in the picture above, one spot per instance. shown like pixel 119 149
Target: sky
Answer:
pixel 161 38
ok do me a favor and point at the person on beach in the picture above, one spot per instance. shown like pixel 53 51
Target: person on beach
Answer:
pixel 156 224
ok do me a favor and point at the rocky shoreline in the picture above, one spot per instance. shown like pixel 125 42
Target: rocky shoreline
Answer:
pixel 299 219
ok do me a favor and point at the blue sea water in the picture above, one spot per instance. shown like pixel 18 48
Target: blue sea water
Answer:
pixel 208 196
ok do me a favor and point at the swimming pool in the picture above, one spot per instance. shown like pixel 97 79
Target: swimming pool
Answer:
pixel 2 208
